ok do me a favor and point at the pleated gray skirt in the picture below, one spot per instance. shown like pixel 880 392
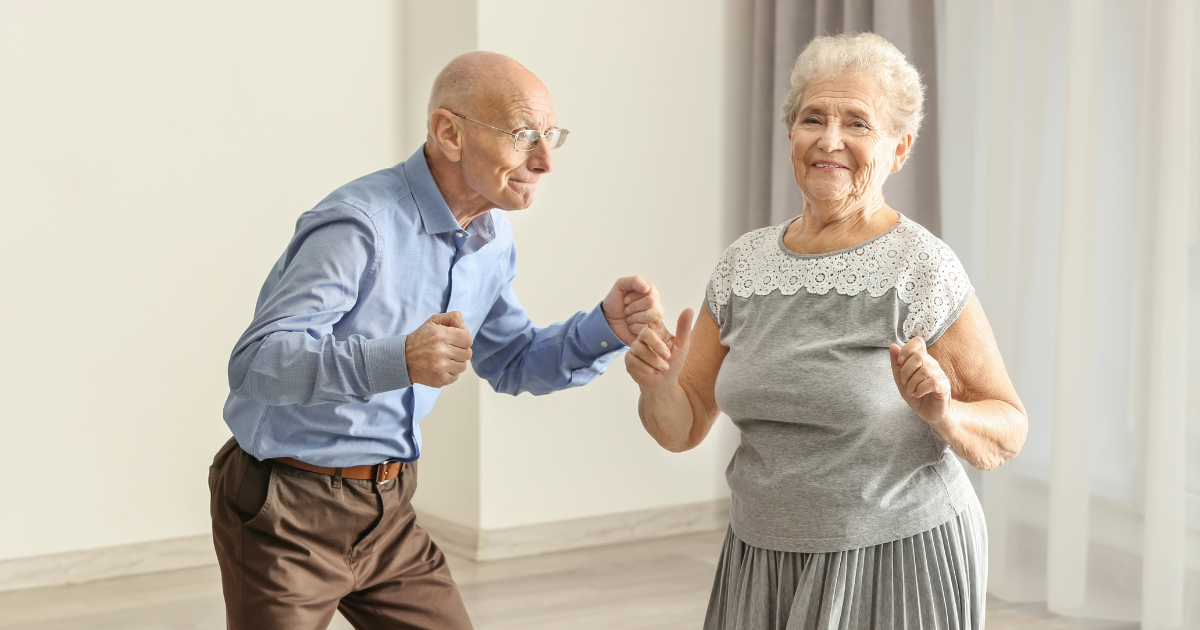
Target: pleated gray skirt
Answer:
pixel 934 580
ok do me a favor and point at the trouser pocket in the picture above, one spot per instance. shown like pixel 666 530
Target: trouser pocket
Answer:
pixel 253 499
pixel 239 486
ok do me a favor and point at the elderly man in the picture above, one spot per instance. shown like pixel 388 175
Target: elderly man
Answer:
pixel 389 286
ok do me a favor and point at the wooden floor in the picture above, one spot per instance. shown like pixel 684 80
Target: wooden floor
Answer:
pixel 656 584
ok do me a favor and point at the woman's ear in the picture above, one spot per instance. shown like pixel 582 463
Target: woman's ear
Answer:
pixel 902 148
pixel 446 134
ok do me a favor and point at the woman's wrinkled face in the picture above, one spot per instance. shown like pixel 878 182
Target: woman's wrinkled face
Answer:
pixel 842 147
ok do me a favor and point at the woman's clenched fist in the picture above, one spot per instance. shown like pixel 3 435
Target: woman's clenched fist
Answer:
pixel 921 381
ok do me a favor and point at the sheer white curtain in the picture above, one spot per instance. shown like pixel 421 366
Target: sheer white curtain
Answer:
pixel 1070 176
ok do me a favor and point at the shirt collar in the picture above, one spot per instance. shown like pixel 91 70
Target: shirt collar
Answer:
pixel 435 214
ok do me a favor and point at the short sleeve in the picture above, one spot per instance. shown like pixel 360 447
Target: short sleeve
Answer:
pixel 717 293
pixel 936 288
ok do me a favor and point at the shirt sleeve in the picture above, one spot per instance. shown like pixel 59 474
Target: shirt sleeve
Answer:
pixel 289 354
pixel 716 294
pixel 941 290
pixel 515 356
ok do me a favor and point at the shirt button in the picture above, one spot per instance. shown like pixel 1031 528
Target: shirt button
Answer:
pixel 603 344
pixel 460 234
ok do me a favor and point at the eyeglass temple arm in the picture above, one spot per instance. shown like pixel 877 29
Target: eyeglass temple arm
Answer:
pixel 485 124
pixel 540 134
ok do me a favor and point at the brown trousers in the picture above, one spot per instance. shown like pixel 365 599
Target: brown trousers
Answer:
pixel 295 545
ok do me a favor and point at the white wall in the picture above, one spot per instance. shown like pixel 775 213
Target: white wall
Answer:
pixel 651 168
pixel 638 190
pixel 154 157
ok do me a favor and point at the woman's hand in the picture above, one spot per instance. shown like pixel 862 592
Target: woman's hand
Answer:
pixel 656 356
pixel 985 423
pixel 678 375
pixel 921 381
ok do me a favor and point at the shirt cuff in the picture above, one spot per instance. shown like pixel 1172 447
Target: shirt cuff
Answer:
pixel 596 336
pixel 387 364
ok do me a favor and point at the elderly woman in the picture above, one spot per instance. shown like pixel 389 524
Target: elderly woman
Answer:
pixel 848 347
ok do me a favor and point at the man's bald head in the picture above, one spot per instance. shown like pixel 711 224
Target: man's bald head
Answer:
pixel 477 168
pixel 474 83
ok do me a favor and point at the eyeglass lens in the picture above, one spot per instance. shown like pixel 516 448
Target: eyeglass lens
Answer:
pixel 527 139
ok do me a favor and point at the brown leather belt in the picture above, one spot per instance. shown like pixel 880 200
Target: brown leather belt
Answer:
pixel 376 472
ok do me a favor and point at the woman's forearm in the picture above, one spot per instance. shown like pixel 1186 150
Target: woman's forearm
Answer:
pixel 677 377
pixel 667 415
pixel 986 433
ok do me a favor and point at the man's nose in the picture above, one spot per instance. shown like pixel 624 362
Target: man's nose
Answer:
pixel 540 160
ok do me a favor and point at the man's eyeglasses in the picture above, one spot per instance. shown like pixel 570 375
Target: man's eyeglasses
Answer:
pixel 528 139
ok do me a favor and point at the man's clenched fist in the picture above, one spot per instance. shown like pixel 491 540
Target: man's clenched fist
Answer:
pixel 438 351
pixel 631 305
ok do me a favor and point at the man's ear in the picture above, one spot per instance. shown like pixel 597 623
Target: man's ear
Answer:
pixel 446 134
pixel 902 149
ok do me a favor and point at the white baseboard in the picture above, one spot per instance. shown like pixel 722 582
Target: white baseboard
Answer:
pixel 109 562
pixel 197 551
pixel 496 544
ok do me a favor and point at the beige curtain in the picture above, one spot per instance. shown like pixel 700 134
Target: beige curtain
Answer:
pixel 1071 191
pixel 781 30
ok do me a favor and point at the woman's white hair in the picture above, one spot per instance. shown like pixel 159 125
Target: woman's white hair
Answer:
pixel 850 54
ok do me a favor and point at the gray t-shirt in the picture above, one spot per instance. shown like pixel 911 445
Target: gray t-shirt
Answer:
pixel 831 457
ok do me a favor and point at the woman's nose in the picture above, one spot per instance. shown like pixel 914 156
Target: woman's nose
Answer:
pixel 831 139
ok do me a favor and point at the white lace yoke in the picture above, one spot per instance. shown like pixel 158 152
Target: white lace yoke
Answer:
pixel 923 270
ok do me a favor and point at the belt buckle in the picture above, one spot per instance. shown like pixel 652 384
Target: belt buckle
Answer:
pixel 381 473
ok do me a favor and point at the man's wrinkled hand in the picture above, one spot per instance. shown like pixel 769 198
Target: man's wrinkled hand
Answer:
pixel 631 305
pixel 438 351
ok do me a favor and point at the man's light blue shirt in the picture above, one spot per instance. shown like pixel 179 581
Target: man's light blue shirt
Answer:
pixel 320 375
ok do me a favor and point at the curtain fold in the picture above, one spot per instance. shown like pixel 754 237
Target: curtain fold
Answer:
pixel 1163 566
pixel 1069 477
pixel 1071 188
pixel 782 28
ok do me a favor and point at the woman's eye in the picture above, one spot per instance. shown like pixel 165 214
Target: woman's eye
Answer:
pixel 811 121
pixel 858 124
